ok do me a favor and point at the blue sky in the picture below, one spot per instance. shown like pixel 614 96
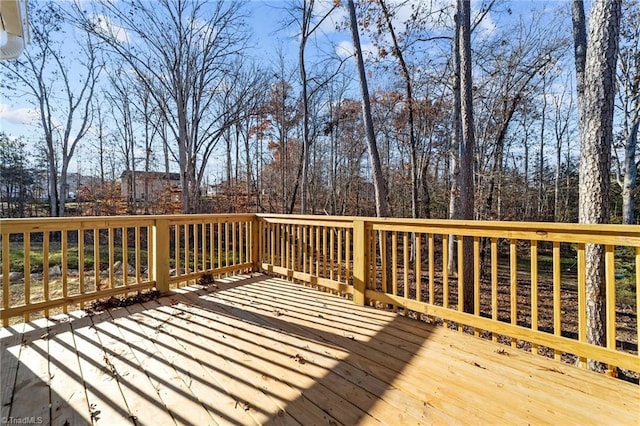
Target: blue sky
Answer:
pixel 265 18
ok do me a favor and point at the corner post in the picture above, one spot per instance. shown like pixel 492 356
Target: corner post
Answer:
pixel 256 244
pixel 361 245
pixel 160 259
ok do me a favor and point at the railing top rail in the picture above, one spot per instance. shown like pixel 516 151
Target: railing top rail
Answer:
pixel 347 219
pixel 578 232
pixel 35 224
pixel 543 231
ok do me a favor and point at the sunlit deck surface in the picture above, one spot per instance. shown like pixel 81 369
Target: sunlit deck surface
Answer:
pixel 259 350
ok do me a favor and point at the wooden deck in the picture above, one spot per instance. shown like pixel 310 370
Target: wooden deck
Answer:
pixel 262 350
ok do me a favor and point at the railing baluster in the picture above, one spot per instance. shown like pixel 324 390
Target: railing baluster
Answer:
pixel 203 246
pixel 394 265
pixel 534 291
pixel 96 259
pixel 138 254
pixel 111 257
pixel 339 254
pixel 513 284
pixel 212 245
pixel 461 282
pixel 125 256
pixel 275 245
pixel 317 251
pixel 405 263
pixel 372 262
pixel 332 249
pixel 81 277
pixel 196 247
pixel 241 253
pixel 324 251
pixel 494 283
pixel 279 236
pixel 432 271
pixel 219 236
pixel 557 302
pixel 461 266
pixel 347 253
pixel 176 248
pixel 187 249
pixel 610 295
pixel 45 269
pixel 384 260
pixel 27 271
pixel 5 275
pixel 582 298
pixel 418 266
pixel 304 244
pixel 445 272
pixel 150 254
pixel 476 280
pixel 234 243
pixel 294 237
pixel 64 268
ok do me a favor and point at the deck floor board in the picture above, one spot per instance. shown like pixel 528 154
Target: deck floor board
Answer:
pixel 261 350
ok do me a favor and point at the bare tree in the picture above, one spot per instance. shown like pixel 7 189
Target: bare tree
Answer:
pixel 596 122
pixel 467 144
pixel 63 92
pixel 180 50
pixel 562 118
pixel 121 101
pixel 308 22
pixel 379 184
pixel 408 88
pixel 579 45
pixel 628 78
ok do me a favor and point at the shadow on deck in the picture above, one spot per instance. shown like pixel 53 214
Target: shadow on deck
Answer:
pixel 259 350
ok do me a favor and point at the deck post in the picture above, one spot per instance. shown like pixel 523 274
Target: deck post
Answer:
pixel 256 244
pixel 360 255
pixel 160 259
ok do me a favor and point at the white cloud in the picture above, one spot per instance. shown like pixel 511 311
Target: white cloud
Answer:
pixel 345 49
pixel 106 26
pixel 331 23
pixel 487 26
pixel 18 115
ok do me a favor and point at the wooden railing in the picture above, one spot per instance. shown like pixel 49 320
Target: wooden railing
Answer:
pixel 75 261
pixel 529 278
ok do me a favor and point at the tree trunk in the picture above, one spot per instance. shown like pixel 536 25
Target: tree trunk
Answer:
pixel 596 121
pixel 306 20
pixel 454 195
pixel 579 45
pixel 631 172
pixel 413 148
pixel 379 184
pixel 543 122
pixel 467 146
